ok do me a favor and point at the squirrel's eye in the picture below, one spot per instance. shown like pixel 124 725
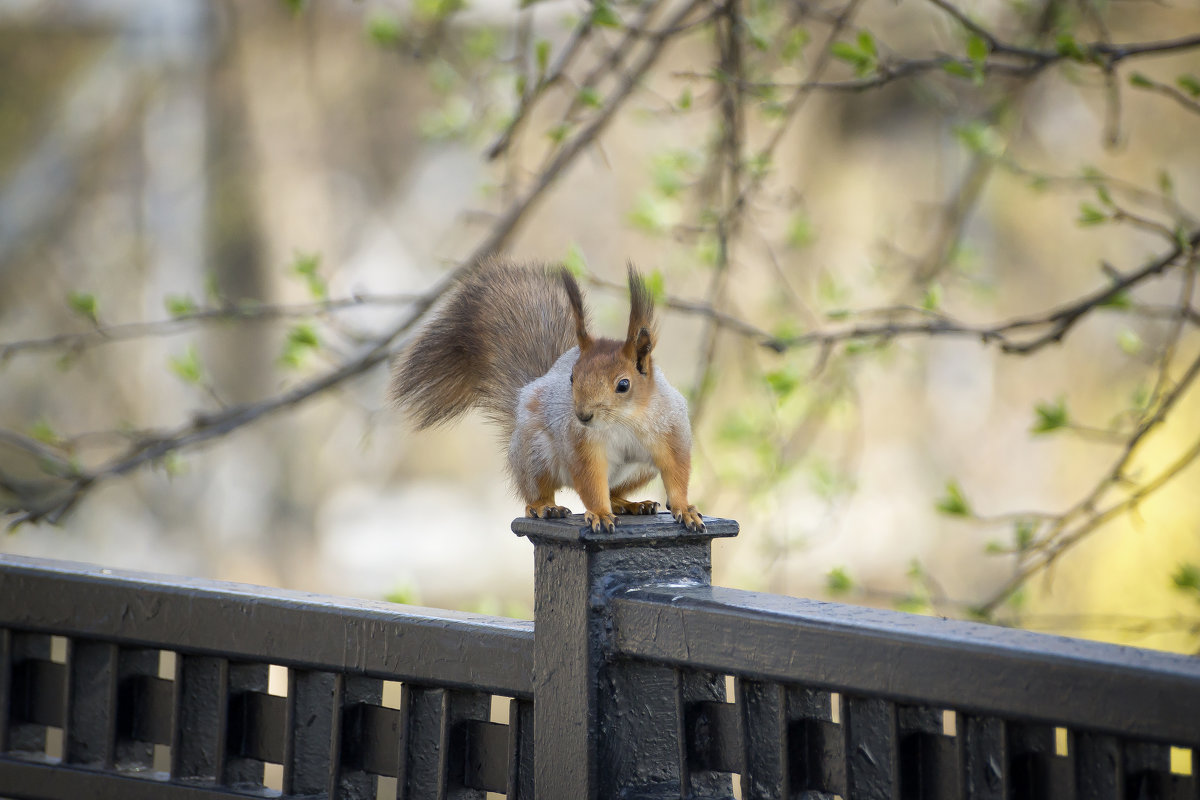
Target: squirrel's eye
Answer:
pixel 572 377
pixel 623 385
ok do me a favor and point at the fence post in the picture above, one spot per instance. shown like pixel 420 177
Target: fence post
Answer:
pixel 606 727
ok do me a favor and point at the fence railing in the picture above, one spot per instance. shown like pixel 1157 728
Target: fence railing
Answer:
pixel 641 681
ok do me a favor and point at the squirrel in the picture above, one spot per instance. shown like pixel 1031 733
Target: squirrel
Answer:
pixel 592 413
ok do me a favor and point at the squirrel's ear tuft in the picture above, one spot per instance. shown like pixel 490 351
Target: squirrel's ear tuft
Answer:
pixel 639 340
pixel 575 298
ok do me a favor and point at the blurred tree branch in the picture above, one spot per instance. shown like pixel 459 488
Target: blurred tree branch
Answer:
pixel 758 78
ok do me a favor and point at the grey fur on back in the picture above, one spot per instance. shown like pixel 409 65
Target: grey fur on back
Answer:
pixel 501 327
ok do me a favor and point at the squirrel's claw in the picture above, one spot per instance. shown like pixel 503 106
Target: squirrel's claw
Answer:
pixel 547 511
pixel 603 522
pixel 689 518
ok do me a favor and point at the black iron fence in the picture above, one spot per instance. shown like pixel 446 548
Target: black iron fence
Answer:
pixel 642 681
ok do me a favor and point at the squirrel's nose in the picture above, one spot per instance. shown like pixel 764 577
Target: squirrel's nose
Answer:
pixel 584 416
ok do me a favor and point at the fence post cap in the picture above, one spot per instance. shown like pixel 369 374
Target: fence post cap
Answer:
pixel 632 531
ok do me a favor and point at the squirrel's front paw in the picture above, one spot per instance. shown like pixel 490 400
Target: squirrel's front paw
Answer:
pixel 689 518
pixel 547 511
pixel 622 506
pixel 603 522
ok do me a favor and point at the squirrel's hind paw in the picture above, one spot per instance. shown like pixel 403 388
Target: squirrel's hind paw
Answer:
pixel 603 522
pixel 689 518
pixel 623 506
pixel 547 511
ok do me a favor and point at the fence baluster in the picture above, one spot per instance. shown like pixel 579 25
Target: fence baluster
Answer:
pixel 91 729
pixel 988 774
pixel 198 745
pixel 764 739
pixel 520 771
pixel 310 766
pixel 872 752
pixel 1099 766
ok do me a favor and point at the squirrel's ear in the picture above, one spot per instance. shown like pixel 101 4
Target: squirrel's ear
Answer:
pixel 639 341
pixel 643 344
pixel 575 298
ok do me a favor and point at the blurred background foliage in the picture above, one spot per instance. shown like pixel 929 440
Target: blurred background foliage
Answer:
pixel 926 269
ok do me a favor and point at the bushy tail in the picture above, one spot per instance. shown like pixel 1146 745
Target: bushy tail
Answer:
pixel 501 327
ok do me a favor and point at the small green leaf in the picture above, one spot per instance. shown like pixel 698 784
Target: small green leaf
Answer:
pixel 953 503
pixel 303 335
pixel 603 16
pixel 995 548
pixel 797 40
pixel 1129 341
pixel 667 171
pixel 559 133
pixel 957 69
pixel 187 366
pixel 83 304
pixel 1023 531
pixel 655 285
pixel 588 96
pixel 43 432
pixel 800 231
pixel 1141 81
pixel 1050 416
pixel 653 214
pixel 384 28
pixel 1103 195
pixel 542 55
pixel 1165 184
pixel 932 300
pixel 294 6
pixel 847 52
pixel 1187 577
pixel 979 614
pixel 1067 46
pixel 306 265
pixel 482 44
pixel 1091 215
pixel 301 339
pixel 685 99
pixel 866 43
pixel 575 261
pixel 1018 599
pixel 1190 84
pixel 977 50
pixel 1118 300
pixel 172 464
pixel 758 164
pixel 404 595
pixel 911 604
pixel 179 305
pixel 782 382
pixel 837 582
pixel 1181 238
pixel 981 138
